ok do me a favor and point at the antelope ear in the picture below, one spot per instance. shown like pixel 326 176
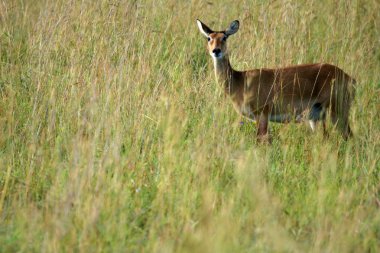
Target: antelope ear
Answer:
pixel 205 30
pixel 234 27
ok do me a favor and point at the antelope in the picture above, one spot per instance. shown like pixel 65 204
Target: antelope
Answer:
pixel 282 95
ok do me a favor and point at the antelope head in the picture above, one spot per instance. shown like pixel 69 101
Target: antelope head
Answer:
pixel 217 41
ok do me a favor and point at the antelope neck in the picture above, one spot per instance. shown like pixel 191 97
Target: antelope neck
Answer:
pixel 224 73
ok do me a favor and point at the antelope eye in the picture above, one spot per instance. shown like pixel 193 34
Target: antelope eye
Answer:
pixel 224 38
pixel 208 38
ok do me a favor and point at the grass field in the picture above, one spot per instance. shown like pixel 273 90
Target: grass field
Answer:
pixel 115 137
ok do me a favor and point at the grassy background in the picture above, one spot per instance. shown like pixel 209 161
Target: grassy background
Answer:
pixel 115 137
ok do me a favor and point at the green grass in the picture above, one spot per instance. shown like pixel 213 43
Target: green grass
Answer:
pixel 115 137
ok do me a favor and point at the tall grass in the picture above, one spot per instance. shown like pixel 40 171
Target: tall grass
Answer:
pixel 115 137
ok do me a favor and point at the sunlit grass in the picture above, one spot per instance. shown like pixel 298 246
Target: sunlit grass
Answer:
pixel 115 137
